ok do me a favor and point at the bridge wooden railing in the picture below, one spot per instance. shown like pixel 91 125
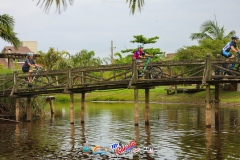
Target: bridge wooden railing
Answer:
pixel 86 79
pixel 218 70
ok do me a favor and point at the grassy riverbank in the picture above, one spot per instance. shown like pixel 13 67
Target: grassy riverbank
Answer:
pixel 158 94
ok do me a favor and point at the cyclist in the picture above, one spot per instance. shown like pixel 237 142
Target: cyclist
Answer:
pixel 138 55
pixel 29 62
pixel 231 46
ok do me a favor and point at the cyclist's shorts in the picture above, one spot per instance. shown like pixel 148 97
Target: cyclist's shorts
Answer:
pixel 25 70
pixel 226 54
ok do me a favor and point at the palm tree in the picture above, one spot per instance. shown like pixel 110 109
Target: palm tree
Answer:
pixel 6 30
pixel 132 5
pixel 85 58
pixel 211 30
pixel 53 60
pixel 62 4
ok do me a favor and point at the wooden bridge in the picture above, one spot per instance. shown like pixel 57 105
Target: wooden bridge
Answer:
pixel 87 79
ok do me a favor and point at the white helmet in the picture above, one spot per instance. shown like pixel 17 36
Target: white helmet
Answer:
pixel 140 46
pixel 29 54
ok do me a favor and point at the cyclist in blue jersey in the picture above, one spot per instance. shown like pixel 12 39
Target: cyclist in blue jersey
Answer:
pixel 231 46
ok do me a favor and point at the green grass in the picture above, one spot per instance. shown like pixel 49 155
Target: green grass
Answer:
pixel 158 94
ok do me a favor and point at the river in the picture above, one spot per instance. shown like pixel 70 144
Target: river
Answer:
pixel 175 132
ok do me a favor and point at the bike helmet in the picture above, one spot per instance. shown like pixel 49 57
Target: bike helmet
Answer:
pixel 234 37
pixel 29 54
pixel 140 46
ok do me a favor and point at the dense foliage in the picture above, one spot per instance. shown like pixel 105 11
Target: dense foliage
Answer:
pixel 211 40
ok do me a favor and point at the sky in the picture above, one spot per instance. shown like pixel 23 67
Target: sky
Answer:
pixel 93 24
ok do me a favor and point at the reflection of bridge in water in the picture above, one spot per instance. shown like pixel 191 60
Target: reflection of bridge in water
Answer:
pixel 87 79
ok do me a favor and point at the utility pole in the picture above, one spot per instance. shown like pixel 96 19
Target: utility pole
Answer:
pixel 112 52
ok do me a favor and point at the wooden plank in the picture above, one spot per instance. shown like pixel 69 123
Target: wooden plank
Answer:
pixel 189 71
pixel 9 120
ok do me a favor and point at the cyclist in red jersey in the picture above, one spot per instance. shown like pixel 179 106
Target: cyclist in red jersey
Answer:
pixel 138 55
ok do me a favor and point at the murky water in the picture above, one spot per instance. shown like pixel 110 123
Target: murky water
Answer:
pixel 175 132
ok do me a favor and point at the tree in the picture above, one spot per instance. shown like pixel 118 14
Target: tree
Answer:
pixel 132 5
pixel 62 4
pixel 143 40
pixel 53 59
pixel 211 30
pixel 205 46
pixel 7 30
pixel 120 59
pixel 84 59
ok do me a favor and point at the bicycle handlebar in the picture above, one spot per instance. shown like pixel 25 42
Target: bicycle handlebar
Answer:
pixel 146 57
pixel 38 68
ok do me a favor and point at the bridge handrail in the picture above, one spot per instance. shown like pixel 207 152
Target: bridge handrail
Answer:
pixel 85 79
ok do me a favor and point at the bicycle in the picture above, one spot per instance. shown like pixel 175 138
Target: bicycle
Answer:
pixel 230 66
pixel 37 80
pixel 155 72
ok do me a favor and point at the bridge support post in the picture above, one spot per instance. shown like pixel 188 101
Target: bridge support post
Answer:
pixel 50 100
pixel 147 106
pixel 29 115
pixel 207 77
pixel 17 110
pixel 217 116
pixel 136 114
pixel 134 71
pixel 82 107
pixel 208 106
pixel 71 108
pixel 52 107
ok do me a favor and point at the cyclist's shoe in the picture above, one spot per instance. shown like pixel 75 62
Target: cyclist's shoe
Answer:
pixel 142 74
pixel 232 66
pixel 227 74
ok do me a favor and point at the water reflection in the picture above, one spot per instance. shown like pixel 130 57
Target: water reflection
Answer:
pixel 178 131
pixel 208 142
pixel 217 117
pixel 17 135
pixel 83 138
pixel 218 144
pixel 147 129
pixel 52 119
pixel 72 132
pixel 83 104
pixel 137 135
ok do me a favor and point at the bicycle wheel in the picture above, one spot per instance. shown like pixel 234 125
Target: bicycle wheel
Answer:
pixel 156 72
pixel 41 81
pixel 23 83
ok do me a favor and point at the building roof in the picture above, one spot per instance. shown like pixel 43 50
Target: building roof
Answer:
pixel 11 49
pixel 170 55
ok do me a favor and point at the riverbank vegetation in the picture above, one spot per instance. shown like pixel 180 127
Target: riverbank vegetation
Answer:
pixel 7 107
pixel 158 94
